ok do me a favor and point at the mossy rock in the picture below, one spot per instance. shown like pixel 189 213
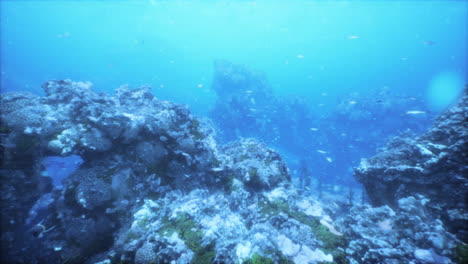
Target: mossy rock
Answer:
pixel 195 130
pixel 331 242
pixel 191 235
pixel 258 259
pixel 461 254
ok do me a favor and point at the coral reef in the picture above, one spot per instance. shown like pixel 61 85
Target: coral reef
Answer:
pixel 152 186
pixel 407 234
pixel 432 165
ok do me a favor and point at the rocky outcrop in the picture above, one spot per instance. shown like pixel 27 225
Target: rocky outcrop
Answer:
pixel 433 165
pixel 407 234
pixel 150 185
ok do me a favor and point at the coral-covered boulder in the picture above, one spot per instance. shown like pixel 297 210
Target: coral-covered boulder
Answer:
pixel 403 235
pixel 257 166
pixel 433 165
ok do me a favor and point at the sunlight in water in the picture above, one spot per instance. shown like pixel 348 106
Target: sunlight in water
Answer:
pixel 444 89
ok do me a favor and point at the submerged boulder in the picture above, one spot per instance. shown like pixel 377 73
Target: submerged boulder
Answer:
pixel 433 165
pixel 255 165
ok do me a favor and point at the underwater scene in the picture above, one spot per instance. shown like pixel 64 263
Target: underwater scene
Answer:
pixel 243 132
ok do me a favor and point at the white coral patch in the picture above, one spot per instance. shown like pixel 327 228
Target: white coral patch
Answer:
pixel 301 254
pixel 287 247
pixel 307 255
pixel 276 193
pixel 145 213
pixel 330 227
pixel 230 226
pixel 385 225
pixel 179 243
pixel 243 250
pixel 308 208
pixel 190 207
pixel 424 150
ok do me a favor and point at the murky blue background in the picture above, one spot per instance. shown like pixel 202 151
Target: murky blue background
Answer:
pixel 305 47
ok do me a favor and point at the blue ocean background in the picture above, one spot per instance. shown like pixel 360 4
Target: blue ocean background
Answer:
pixel 319 51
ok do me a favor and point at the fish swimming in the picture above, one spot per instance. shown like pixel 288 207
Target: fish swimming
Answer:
pixel 428 42
pixel 415 112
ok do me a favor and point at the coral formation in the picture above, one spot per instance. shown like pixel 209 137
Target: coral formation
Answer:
pixel 432 165
pixel 407 234
pixel 154 186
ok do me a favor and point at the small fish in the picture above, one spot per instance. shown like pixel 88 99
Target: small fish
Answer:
pixel 321 151
pixel 313 129
pixel 248 91
pixel 200 85
pixel 299 56
pixel 329 159
pixel 217 169
pixel 353 37
pixel 352 102
pixel 428 43
pixel 415 112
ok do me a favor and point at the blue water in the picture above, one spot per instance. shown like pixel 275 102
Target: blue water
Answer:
pixel 320 51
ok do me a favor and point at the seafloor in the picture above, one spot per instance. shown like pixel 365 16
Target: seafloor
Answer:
pixel 154 186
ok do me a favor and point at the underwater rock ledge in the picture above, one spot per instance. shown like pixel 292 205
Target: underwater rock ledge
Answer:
pixel 434 165
pixel 153 186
